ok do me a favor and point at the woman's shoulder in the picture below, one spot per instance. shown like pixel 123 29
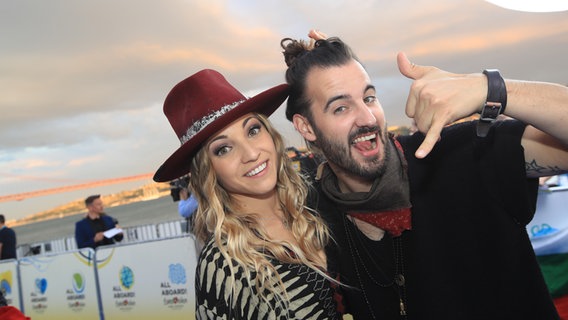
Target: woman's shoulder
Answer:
pixel 214 278
pixel 211 259
pixel 211 252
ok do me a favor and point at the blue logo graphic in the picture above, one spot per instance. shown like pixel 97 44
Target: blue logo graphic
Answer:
pixel 5 286
pixel 177 274
pixel 41 285
pixel 126 277
pixel 542 230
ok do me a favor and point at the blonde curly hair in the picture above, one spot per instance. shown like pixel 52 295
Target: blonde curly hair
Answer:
pixel 239 235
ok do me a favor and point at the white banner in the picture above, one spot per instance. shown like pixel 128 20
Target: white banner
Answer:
pixel 150 280
pixel 60 286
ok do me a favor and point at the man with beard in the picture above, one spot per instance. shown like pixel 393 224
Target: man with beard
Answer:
pixel 429 226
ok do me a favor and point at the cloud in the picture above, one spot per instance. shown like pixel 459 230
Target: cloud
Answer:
pixel 82 83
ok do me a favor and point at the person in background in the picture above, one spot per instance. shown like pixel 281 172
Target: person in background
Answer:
pixel 187 203
pixel 89 231
pixel 431 225
pixel 7 240
pixel 263 254
pixel 186 207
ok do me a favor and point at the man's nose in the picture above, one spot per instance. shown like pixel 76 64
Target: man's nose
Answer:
pixel 365 117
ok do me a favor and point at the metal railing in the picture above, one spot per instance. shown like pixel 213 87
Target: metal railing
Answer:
pixel 163 230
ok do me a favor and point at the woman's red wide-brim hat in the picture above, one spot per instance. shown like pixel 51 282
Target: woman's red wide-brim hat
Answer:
pixel 202 105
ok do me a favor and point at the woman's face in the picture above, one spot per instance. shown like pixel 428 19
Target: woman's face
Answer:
pixel 243 156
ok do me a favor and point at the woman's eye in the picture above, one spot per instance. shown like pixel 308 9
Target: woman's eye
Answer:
pixel 221 150
pixel 254 130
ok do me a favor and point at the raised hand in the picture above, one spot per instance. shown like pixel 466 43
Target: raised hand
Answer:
pixel 438 98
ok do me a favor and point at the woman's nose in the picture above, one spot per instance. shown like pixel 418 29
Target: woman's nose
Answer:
pixel 250 152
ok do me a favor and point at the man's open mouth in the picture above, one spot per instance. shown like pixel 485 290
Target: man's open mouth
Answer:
pixel 365 142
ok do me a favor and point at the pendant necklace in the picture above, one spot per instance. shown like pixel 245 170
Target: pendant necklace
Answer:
pixel 398 281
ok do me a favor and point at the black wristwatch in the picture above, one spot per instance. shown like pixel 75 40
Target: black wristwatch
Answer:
pixel 495 103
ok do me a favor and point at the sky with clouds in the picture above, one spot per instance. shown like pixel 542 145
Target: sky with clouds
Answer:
pixel 82 83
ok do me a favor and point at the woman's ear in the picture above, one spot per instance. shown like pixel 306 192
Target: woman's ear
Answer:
pixel 303 126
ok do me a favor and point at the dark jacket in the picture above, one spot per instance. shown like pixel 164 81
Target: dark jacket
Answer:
pixel 84 233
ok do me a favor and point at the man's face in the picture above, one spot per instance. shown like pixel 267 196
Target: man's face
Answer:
pixel 96 206
pixel 348 121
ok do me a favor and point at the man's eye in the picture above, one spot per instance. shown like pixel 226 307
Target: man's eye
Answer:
pixel 370 99
pixel 339 109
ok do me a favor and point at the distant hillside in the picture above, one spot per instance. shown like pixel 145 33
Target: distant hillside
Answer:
pixel 149 191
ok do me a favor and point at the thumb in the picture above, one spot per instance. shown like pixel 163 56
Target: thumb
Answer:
pixel 409 69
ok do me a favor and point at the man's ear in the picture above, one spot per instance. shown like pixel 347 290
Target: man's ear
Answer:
pixel 304 127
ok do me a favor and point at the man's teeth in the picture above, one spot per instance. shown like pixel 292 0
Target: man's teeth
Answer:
pixel 365 138
pixel 256 170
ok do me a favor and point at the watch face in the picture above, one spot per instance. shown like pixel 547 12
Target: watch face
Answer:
pixel 490 111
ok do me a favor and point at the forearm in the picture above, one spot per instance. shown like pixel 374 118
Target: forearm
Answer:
pixel 438 98
pixel 542 105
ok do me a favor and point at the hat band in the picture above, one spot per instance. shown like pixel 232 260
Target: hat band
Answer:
pixel 200 124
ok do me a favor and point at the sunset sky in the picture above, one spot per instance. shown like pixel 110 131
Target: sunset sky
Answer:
pixel 82 83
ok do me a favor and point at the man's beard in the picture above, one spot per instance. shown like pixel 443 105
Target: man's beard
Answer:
pixel 340 154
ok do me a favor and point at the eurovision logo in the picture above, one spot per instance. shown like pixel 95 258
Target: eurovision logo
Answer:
pixel 75 296
pixel 78 282
pixel 6 286
pixel 177 274
pixel 126 277
pixel 38 298
pixel 123 296
pixel 6 283
pixel 40 285
pixel 174 291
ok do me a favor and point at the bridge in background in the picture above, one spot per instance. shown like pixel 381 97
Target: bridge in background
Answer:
pixel 87 185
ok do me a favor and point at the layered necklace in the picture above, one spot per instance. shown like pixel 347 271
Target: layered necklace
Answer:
pixel 397 282
pixel 386 206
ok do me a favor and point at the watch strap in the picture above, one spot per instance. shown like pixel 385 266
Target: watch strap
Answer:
pixel 495 103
